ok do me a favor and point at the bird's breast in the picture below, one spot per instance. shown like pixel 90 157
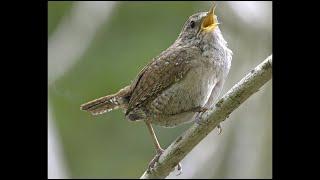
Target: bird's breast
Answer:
pixel 175 104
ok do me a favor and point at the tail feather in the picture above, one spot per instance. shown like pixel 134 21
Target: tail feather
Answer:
pixel 108 103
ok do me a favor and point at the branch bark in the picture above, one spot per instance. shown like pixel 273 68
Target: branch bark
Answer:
pixel 211 119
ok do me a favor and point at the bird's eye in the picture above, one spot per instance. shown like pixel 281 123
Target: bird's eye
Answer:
pixel 192 24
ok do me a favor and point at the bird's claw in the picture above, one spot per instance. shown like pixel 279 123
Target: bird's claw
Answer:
pixel 198 118
pixel 155 160
pixel 200 111
pixel 179 168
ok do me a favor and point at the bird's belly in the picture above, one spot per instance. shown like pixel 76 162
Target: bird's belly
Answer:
pixel 174 106
pixel 197 86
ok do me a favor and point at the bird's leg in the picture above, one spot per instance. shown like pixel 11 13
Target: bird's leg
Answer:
pixel 154 138
pixel 155 141
pixel 159 150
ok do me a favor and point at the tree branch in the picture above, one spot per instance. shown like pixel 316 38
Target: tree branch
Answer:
pixel 211 119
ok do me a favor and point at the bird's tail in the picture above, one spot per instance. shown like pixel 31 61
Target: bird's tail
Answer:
pixel 108 103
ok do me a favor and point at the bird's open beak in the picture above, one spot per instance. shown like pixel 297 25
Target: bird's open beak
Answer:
pixel 209 21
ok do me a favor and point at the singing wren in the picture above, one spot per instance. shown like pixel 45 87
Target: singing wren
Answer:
pixel 178 85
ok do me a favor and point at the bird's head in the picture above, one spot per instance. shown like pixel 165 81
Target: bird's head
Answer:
pixel 198 26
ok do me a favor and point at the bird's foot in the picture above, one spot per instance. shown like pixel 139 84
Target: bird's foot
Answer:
pixel 198 117
pixel 179 169
pixel 155 160
pixel 200 111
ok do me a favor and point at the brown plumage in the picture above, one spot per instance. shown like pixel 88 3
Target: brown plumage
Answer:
pixel 171 66
pixel 177 85
pixel 108 103
pixel 167 69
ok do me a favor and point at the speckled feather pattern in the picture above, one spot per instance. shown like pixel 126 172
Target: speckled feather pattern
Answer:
pixel 168 68
pixel 188 75
pixel 181 79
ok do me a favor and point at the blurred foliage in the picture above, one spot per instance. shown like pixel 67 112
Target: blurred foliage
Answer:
pixel 108 145
pixel 56 11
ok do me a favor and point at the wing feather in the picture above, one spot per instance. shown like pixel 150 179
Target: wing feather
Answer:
pixel 170 66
